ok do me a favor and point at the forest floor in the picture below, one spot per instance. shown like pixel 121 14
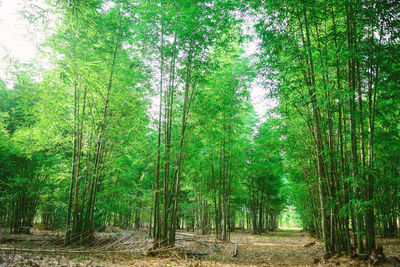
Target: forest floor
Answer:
pixel 131 248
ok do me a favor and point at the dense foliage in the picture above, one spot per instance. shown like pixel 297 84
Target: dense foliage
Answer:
pixel 334 67
pixel 143 118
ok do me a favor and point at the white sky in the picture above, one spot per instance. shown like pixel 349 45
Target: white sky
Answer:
pixel 258 93
pixel 13 39
pixel 16 42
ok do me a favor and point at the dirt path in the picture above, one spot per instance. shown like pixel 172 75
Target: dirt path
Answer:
pixel 280 248
pixel 289 248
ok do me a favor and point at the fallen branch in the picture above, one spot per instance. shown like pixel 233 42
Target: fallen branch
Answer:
pixel 68 251
pixel 235 252
pixel 309 244
pixel 186 234
pixel 182 261
pixel 7 239
pixel 195 253
pixel 186 239
pixel 376 256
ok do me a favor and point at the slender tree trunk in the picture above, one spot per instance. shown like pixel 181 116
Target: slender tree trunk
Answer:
pixel 352 88
pixel 71 190
pixel 370 216
pixel 322 178
pixel 157 219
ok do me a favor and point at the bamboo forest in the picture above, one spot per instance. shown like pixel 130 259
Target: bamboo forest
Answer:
pixel 199 133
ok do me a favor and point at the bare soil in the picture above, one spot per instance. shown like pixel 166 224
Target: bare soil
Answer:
pixel 131 248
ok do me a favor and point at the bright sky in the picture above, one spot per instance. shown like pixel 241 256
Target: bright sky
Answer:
pixel 16 42
pixel 13 39
pixel 258 93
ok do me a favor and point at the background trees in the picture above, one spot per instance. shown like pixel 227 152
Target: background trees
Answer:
pixel 327 59
pixel 88 129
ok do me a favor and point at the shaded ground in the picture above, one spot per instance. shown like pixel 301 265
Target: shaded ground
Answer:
pixel 130 248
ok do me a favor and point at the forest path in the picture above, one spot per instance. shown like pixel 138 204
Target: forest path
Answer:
pixel 279 248
pixel 289 248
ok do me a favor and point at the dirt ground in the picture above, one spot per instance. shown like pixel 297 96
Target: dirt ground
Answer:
pixel 130 248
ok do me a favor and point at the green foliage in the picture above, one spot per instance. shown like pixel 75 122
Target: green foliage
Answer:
pixel 146 105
